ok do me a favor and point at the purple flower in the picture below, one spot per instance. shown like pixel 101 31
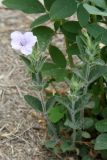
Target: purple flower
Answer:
pixel 23 42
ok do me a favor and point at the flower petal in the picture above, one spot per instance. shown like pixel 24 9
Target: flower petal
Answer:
pixel 30 38
pixel 15 45
pixel 26 50
pixel 16 36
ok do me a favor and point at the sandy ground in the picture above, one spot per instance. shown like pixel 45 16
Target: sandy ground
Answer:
pixel 21 134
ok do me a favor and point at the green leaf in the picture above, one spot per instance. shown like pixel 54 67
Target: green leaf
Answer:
pixel 96 72
pixel 34 102
pixel 73 50
pixel 56 113
pixel 53 71
pixel 57 25
pixel 99 3
pixel 40 20
pixel 104 53
pixel 26 60
pixel 65 146
pixel 88 122
pixel 104 154
pixel 87 157
pixel 28 6
pixel 80 44
pixel 101 125
pixel 96 109
pixel 50 102
pixel 48 4
pixel 93 10
pixel 44 35
pixel 30 67
pixel 95 30
pixel 70 37
pixel 71 125
pixel 57 56
pixel 104 37
pixel 61 9
pixel 81 12
pixel 50 144
pixel 104 113
pixel 86 134
pixel 72 26
pixel 101 142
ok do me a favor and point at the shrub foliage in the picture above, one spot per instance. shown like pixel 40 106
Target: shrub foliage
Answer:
pixel 71 85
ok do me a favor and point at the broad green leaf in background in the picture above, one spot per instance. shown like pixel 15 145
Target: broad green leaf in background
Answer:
pixel 61 9
pixel 53 71
pixel 93 10
pixel 56 113
pixel 87 157
pixel 70 37
pixel 101 125
pixel 71 26
pixel 101 142
pixel 44 35
pixel 83 15
pixel 40 20
pixel 73 50
pixel 99 3
pixel 34 102
pixel 28 6
pixel 104 154
pixel 57 56
pixel 104 113
pixel 48 4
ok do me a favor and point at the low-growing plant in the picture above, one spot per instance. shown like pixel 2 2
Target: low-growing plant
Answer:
pixel 71 85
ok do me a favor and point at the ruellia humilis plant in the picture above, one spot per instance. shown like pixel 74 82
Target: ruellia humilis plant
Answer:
pixel 75 108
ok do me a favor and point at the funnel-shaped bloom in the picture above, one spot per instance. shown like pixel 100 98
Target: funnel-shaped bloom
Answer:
pixel 23 42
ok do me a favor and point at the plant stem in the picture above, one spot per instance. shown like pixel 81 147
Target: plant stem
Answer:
pixel 69 56
pixel 74 123
pixel 45 114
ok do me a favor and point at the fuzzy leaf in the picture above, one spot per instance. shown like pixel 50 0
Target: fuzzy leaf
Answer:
pixel 101 126
pixel 56 113
pixel 34 102
pixel 93 10
pixel 101 142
